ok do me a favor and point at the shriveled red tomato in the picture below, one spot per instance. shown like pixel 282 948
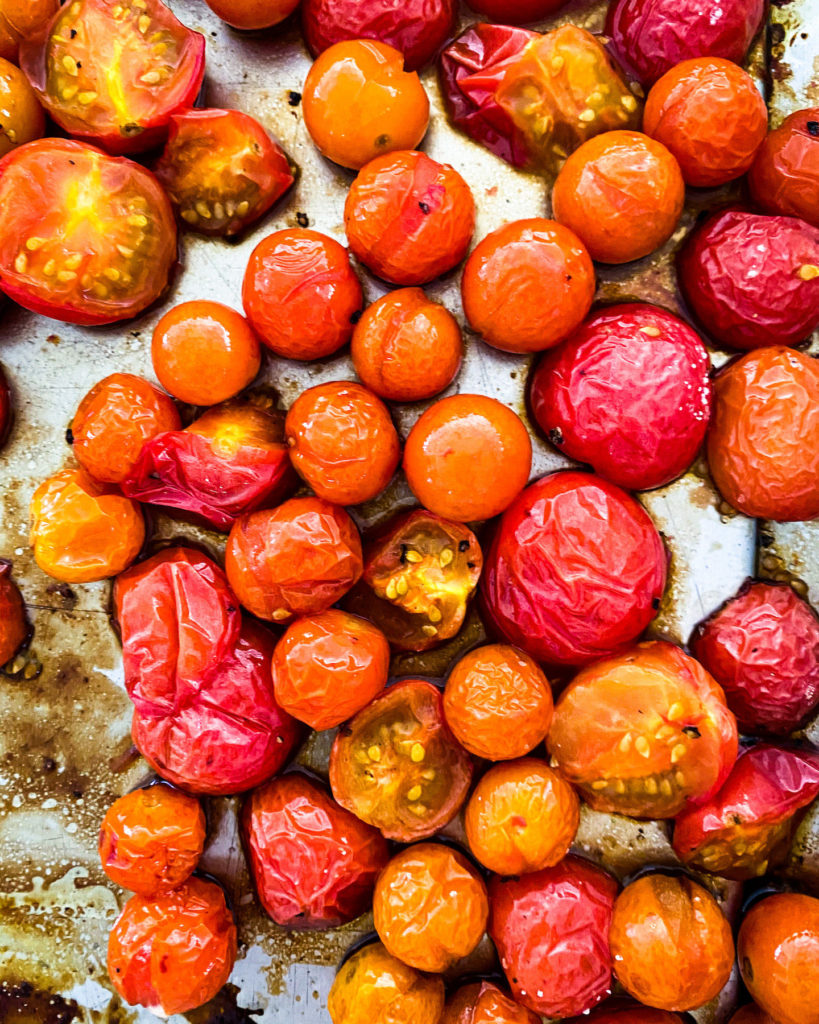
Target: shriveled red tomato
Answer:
pixel 751 1014
pixel 484 1003
pixel 646 733
pixel 551 929
pixel 785 176
pixel 222 170
pixel 313 863
pixel 151 839
pixel 575 572
pixel 173 952
pixel 514 11
pixel 419 573
pixel 114 74
pixel 6 408
pixel 22 19
pixel 13 627
pixel 84 237
pixel 373 985
pixel 629 393
pixel 631 1014
pixel 250 15
pixel 21 116
pixel 397 766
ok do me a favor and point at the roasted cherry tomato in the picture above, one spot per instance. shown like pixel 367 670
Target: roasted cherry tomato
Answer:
pixel 752 280
pixel 300 294
pixel 297 559
pixel 115 421
pixel 751 1014
pixel 576 570
pixel 359 103
pixel 342 442
pixel 514 11
pixel 629 393
pixel 253 14
pixel 484 1003
pixel 397 766
pixel 785 176
pixel 622 193
pixel 175 951
pixel 222 170
pixel 21 116
pixel 408 218
pixel 646 733
pixel 430 907
pixel 551 929
pixel 22 19
pixel 406 347
pixel 328 667
pixel 671 944
pixel 527 285
pixel 468 457
pixel 13 627
pixel 419 574
pixel 151 839
pixel 84 237
pixel 313 863
pixel 113 73
pixel 631 1014
pixel 521 817
pixel 763 441
pixel 373 986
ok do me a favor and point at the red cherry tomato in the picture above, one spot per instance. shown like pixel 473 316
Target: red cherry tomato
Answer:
pixel 313 863
pixel 84 237
pixel 515 11
pixel 21 19
pixel 785 176
pixel 551 929
pixel 374 986
pixel 13 626
pixel 250 15
pixel 484 1003
pixel 21 116
pixel 629 393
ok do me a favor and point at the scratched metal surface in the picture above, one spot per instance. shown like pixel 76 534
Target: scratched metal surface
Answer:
pixel 65 737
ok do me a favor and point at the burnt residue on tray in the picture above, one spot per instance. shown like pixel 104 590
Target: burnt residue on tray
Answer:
pixel 22 1003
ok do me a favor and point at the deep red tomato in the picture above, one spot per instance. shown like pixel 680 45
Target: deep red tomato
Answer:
pixel 551 929
pixel 631 1014
pixel 751 1014
pixel 222 170
pixel 785 176
pixel 576 570
pixel 21 19
pixel 13 626
pixel 84 237
pixel 373 986
pixel 6 408
pixel 397 766
pixel 250 15
pixel 174 952
pixel 629 393
pixel 21 116
pixel 484 1003
pixel 514 11
pixel 646 733
pixel 752 280
pixel 313 863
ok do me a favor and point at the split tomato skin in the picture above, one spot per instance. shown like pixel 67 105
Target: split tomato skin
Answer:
pixel 13 626
pixel 784 178
pixel 484 1003
pixel 21 116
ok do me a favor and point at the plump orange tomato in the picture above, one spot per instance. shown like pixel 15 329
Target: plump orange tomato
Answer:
pixel 20 19
pixel 21 116
pixel 785 176
pixel 374 986
pixel 253 14
pixel 360 103
pixel 484 1003
pixel 13 627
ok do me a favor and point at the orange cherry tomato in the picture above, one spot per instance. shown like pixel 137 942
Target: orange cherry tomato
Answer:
pixel 253 14
pixel 671 945
pixel 408 218
pixel 328 667
pixel 498 702
pixel 342 442
pixel 406 347
pixel 83 531
pixel 21 116
pixel 430 907
pixel 751 1014
pixel 785 176
pixel 528 285
pixel 359 103
pixel 522 817
pixel 20 19
pixel 151 839
pixel 8 42
pixel 300 294
pixel 484 1003
pixel 374 986
pixel 622 193
pixel 13 627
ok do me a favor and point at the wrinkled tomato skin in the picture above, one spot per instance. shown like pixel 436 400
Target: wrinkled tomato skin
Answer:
pixel 752 280
pixel 418 742
pixel 13 626
pixel 21 19
pixel 629 1015
pixel 763 439
pixel 252 15
pixel 374 986
pixel 21 116
pixel 314 864
pixel 551 932
pixel 629 393
pixel 762 648
pixel 573 518
pixel 484 1003
pixel 784 178
pixel 172 953
pixel 513 12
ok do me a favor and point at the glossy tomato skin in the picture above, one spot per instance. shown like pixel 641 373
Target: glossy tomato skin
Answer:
pixel 173 952
pixel 551 931
pixel 515 11
pixel 21 19
pixel 21 116
pixel 313 863
pixel 250 15
pixel 373 985
pixel 82 275
pixel 752 280
pixel 784 177
pixel 646 733
pixel 573 518
pixel 484 1003
pixel 629 393
pixel 397 766
pixel 13 626
pixel 764 463
pixel 408 218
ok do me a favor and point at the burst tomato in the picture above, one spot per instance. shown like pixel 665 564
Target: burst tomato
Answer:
pixel 21 116
pixel 785 176
pixel 23 19
pixel 373 986
pixel 397 766
pixel 484 1003
pixel 249 15
pixel 514 11
pixel 13 627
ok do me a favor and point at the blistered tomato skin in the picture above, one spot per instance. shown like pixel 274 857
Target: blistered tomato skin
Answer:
pixel 251 15
pixel 484 1003
pixel 313 863
pixel 13 626
pixel 21 116
pixel 752 280
pixel 629 393
pixel 785 176
pixel 551 931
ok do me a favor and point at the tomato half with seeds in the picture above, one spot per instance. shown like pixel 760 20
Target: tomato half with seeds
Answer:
pixel 13 627
pixel 84 237
pixel 113 73
pixel 785 176
pixel 397 766
pixel 374 986
pixel 484 1003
